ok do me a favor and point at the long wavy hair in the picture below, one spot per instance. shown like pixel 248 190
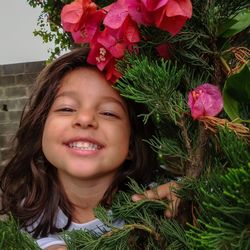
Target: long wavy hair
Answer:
pixel 31 190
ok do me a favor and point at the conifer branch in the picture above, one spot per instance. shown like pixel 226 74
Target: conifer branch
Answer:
pixel 12 238
pixel 132 227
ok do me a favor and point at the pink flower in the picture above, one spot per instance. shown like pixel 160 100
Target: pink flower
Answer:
pixel 117 13
pixel 104 61
pixel 112 74
pixel 115 46
pixel 163 50
pixel 75 14
pixel 172 16
pixel 205 100
pixel 112 30
pixel 131 34
pixel 139 13
pixel 99 56
pixel 152 5
pixel 90 31
pixel 120 30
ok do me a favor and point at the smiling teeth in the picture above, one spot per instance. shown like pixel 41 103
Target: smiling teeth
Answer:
pixel 84 146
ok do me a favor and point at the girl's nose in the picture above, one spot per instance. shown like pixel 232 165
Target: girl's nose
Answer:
pixel 85 119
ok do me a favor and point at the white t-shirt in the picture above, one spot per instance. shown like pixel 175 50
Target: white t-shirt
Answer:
pixel 95 225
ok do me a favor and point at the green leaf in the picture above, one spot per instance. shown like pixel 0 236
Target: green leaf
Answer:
pixel 237 90
pixel 231 106
pixel 236 24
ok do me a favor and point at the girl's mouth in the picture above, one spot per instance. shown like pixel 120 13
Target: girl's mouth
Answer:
pixel 85 145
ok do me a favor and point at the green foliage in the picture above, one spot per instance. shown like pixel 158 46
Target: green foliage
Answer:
pixel 11 238
pixel 167 146
pixel 154 83
pixel 157 84
pixel 171 153
pixel 88 241
pixel 223 201
pixel 199 44
pixel 235 149
pixel 224 211
pixel 144 226
pixel 235 24
pixel 237 90
pixel 49 25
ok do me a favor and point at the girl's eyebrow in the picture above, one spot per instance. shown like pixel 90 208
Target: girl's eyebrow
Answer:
pixel 73 94
pixel 66 93
pixel 115 100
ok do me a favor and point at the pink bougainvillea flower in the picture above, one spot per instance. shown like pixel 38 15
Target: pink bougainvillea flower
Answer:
pixel 139 13
pixel 172 16
pixel 104 61
pixel 115 46
pixel 118 18
pixel 99 56
pixel 79 36
pixel 129 31
pixel 152 5
pixel 112 74
pixel 75 14
pixel 116 41
pixel 71 15
pixel 205 100
pixel 116 15
pixel 91 30
pixel 163 50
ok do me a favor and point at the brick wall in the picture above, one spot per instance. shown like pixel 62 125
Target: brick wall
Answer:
pixel 16 81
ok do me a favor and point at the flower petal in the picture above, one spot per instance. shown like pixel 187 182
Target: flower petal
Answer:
pixel 71 15
pixel 116 15
pixel 205 100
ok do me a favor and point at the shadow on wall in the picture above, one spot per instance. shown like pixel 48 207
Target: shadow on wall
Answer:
pixel 16 82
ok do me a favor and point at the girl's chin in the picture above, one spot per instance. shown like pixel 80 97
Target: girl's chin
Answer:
pixel 78 173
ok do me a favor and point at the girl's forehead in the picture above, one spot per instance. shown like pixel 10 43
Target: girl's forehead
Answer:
pixel 87 78
pixel 88 82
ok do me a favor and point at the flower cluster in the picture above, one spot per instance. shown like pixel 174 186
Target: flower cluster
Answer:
pixel 112 30
pixel 205 100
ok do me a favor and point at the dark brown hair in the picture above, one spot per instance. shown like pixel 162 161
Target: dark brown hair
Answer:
pixel 31 190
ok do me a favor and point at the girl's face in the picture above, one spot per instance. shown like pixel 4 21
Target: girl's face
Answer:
pixel 87 131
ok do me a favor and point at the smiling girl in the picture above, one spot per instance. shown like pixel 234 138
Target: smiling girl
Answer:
pixel 77 144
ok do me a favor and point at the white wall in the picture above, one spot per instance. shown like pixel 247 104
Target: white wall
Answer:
pixel 17 42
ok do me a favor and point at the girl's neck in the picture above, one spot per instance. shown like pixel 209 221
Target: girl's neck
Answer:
pixel 84 195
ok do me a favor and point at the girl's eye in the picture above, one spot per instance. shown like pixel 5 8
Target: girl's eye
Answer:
pixel 65 110
pixel 109 114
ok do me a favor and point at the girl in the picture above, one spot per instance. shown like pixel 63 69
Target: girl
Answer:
pixel 77 143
